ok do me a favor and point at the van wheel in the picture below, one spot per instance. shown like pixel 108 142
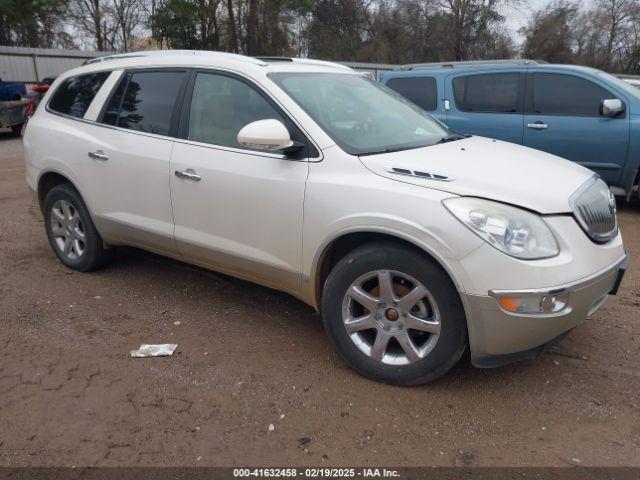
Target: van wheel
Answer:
pixel 71 231
pixel 394 315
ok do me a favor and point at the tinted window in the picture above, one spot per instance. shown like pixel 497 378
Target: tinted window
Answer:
pixel 146 102
pixel 110 115
pixel 420 90
pixel 558 94
pixel 221 106
pixel 494 93
pixel 75 94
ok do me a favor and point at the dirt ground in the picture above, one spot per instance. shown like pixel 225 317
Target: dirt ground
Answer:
pixel 249 357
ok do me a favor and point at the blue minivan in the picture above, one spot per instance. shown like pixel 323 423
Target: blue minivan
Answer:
pixel 579 113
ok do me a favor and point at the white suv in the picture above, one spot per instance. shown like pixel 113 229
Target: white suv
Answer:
pixel 414 242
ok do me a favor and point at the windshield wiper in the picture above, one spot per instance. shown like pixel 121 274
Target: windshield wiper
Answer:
pixel 448 138
pixel 451 138
pixel 390 150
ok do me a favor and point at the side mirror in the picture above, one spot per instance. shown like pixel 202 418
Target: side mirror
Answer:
pixel 267 135
pixel 611 107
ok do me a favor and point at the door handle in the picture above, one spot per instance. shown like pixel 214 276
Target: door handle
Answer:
pixel 98 155
pixel 538 126
pixel 188 175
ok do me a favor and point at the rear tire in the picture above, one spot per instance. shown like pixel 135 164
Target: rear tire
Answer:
pixel 71 232
pixel 394 315
pixel 16 130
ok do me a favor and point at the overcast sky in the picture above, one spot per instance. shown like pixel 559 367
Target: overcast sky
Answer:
pixel 519 16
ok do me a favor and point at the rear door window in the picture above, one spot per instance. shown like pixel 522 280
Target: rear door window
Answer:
pixel 489 93
pixel 560 94
pixel 75 94
pixel 420 90
pixel 145 101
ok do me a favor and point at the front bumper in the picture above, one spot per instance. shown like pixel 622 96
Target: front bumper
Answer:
pixel 497 336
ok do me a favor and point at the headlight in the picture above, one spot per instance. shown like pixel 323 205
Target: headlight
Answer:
pixel 514 231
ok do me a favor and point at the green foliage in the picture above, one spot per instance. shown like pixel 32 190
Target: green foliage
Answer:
pixel 177 22
pixel 28 22
pixel 600 33
pixel 549 36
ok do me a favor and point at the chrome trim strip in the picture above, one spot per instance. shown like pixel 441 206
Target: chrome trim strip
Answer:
pixel 594 218
pixel 567 287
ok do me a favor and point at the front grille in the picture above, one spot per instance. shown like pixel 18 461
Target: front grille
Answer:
pixel 594 207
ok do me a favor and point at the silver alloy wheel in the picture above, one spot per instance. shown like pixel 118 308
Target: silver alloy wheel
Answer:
pixel 67 229
pixel 391 317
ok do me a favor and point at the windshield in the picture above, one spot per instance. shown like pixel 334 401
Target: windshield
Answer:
pixel 361 115
pixel 626 86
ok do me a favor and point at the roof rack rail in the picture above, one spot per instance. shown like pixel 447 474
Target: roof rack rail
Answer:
pixel 265 58
pixel 305 61
pixel 472 63
pixel 167 53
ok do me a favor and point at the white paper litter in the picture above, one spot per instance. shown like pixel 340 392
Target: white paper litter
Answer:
pixel 158 350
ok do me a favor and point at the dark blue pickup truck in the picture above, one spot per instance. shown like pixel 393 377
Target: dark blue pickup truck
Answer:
pixel 13 107
pixel 12 91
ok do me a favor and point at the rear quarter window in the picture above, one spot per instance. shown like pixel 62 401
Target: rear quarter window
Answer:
pixel 75 94
pixel 420 90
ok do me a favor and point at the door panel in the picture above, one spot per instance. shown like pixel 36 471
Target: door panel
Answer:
pixel 236 210
pixel 486 104
pixel 563 119
pixel 127 159
pixel 244 216
pixel 129 191
pixel 598 143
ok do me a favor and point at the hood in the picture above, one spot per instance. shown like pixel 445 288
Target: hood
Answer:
pixel 492 169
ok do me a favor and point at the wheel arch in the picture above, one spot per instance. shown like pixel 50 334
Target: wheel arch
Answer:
pixel 344 242
pixel 50 179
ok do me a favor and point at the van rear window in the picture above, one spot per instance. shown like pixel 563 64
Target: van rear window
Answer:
pixel 420 90
pixel 490 93
pixel 75 94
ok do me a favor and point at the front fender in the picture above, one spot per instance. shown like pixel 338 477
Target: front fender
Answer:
pixel 447 254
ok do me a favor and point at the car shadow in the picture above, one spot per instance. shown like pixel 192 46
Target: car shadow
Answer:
pixel 630 206
pixel 7 134
pixel 289 317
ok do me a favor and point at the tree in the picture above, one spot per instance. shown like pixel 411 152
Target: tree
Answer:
pixel 94 20
pixel 549 35
pixel 33 23
pixel 471 24
pixel 337 22
pixel 128 15
pixel 176 23
pixel 615 14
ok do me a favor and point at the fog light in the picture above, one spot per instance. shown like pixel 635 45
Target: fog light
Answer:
pixel 533 304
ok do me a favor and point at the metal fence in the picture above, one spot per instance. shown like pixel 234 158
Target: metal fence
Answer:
pixel 375 69
pixel 31 65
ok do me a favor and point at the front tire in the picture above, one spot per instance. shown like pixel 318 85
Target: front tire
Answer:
pixel 71 232
pixel 394 315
